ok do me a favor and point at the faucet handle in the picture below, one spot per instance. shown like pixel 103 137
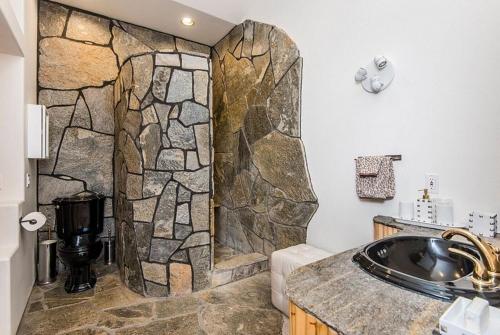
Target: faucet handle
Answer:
pixel 480 273
pixel 495 249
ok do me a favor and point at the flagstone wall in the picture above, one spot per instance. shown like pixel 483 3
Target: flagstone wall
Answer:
pixel 130 118
pixel 263 195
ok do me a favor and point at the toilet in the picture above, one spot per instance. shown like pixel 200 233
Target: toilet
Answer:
pixel 79 221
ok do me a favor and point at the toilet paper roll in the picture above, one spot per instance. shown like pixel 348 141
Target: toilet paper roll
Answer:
pixel 28 222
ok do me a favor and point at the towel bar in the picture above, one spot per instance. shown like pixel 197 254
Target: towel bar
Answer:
pixel 394 157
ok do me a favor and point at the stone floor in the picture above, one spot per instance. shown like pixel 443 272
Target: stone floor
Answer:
pixel 242 307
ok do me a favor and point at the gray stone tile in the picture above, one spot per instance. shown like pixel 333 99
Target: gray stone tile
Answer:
pixel 88 28
pixel 125 45
pixel 174 306
pixel 51 19
pixel 87 155
pixel 115 309
pixel 181 86
pixel 150 140
pixel 180 136
pixel 192 47
pixel 170 160
pixel 154 182
pixel 115 318
pixel 197 181
pixel 81 116
pixel 162 249
pixel 240 320
pixel 180 325
pixel 164 216
pixel 196 239
pixel 98 66
pixel 50 188
pixel 155 40
pixel 160 80
pixel 167 60
pixel 201 81
pixel 194 62
pixel 193 113
pixel 50 98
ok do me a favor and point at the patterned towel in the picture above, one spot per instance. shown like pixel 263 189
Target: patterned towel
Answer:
pixel 375 177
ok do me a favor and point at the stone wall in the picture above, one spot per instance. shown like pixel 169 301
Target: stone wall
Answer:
pixel 142 140
pixel 162 173
pixel 263 195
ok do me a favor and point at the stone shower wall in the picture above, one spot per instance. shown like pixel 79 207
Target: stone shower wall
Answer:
pixel 80 57
pixel 163 173
pixel 263 195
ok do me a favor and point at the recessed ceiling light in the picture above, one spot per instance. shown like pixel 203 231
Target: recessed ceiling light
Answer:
pixel 187 21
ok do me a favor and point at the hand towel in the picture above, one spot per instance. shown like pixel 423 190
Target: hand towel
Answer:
pixel 375 177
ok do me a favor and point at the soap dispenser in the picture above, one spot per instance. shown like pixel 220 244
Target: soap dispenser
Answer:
pixel 426 195
pixel 425 209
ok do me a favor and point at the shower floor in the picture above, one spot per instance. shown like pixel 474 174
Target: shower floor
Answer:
pixel 223 253
pixel 232 265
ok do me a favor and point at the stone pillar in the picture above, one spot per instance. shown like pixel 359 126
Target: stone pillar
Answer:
pixel 163 172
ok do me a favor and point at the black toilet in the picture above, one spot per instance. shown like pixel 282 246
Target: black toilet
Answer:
pixel 79 221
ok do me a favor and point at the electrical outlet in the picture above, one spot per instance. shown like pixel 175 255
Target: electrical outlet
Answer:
pixel 432 183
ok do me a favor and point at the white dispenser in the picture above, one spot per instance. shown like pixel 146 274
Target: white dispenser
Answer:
pixel 38 132
pixel 425 209
pixel 483 224
pixel 444 212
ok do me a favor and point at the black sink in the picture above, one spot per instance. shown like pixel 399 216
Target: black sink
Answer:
pixel 425 265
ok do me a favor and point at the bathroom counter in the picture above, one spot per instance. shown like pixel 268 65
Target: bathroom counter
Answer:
pixel 340 294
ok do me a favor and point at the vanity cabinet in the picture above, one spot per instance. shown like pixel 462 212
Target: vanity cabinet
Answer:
pixel 302 323
pixel 381 230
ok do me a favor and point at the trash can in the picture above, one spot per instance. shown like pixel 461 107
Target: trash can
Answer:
pixel 47 270
pixel 109 251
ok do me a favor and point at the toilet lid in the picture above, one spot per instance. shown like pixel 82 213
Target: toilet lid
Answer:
pixel 84 196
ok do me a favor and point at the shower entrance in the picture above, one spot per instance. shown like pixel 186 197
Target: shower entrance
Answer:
pixel 263 198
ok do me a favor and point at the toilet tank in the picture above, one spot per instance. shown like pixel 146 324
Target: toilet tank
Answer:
pixel 80 214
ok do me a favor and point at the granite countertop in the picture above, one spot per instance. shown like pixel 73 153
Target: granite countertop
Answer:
pixel 352 302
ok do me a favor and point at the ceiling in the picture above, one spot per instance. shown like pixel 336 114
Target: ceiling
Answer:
pixel 161 15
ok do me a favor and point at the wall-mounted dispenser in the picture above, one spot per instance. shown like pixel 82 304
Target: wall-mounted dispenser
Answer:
pixel 376 76
pixel 38 132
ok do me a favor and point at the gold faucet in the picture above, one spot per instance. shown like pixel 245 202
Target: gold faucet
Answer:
pixel 486 270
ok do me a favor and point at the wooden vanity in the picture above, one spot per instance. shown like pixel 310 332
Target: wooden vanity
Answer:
pixel 302 323
pixel 381 231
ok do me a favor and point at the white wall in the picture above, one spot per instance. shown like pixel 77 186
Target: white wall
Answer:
pixel 17 247
pixel 30 92
pixel 11 127
pixel 442 112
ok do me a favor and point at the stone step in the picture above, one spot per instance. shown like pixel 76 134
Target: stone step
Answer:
pixel 238 267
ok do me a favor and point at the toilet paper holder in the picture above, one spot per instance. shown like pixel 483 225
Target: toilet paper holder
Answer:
pixel 31 221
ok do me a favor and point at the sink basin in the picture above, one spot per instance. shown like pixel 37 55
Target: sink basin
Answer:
pixel 425 265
